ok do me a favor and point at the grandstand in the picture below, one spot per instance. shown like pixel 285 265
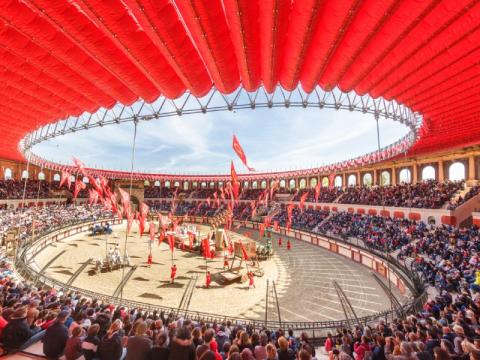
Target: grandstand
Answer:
pixel 374 255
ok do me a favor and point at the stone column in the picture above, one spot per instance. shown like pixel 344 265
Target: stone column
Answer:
pixel 344 180
pixel 375 180
pixel 471 168
pixel 414 173
pixel 441 173
pixel 394 176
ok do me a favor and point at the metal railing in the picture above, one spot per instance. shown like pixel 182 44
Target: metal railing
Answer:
pixel 27 272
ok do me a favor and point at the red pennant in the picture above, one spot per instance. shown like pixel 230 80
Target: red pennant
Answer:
pixel 171 242
pixel 235 182
pixel 244 252
pixel 206 248
pixel 239 151
pixel 302 200
pixel 80 166
pixel 66 178
pixel 152 231
pixel 331 181
pixel 317 191
pixel 79 185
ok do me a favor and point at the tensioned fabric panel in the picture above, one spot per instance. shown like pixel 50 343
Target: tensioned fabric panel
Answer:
pixel 64 58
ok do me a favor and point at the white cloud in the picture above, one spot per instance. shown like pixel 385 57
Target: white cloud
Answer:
pixel 273 139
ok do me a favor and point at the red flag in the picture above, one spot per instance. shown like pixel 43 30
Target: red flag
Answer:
pixel 208 201
pixel 124 198
pixel 171 242
pixel 144 209
pixel 152 231
pixel 80 166
pixel 161 236
pixel 331 181
pixel 261 229
pixel 244 252
pixel 317 191
pixel 206 248
pixel 275 225
pixel 129 221
pixel 79 185
pixel 190 240
pixel 239 151
pixel 289 212
pixel 92 196
pixel 302 200
pixel 66 178
pixel 235 182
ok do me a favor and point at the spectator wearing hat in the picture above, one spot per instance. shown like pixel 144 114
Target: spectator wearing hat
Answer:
pixel 18 334
pixel 56 337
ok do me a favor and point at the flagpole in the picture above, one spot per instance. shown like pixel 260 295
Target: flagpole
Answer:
pixel 135 123
pixel 387 247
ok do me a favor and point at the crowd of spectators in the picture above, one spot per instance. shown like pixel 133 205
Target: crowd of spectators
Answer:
pixel 72 326
pixel 13 189
pixel 251 194
pixel 473 191
pixel 428 194
pixel 157 192
pixel 45 218
pixel 446 328
pixel 204 193
pixel 325 195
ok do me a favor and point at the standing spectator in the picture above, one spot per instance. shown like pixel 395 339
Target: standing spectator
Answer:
pixel 111 345
pixel 329 343
pixel 159 351
pixel 260 350
pixel 182 347
pixel 139 345
pixel 361 348
pixel 221 337
pixel 284 352
pixel 56 337
pixel 91 342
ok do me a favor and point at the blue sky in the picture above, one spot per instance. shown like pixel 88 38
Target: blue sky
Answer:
pixel 273 139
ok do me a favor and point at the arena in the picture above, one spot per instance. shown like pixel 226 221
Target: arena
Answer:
pixel 239 179
pixel 285 268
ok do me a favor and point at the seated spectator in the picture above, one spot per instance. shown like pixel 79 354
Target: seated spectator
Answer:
pixel 73 347
pixel 17 334
pixel 56 337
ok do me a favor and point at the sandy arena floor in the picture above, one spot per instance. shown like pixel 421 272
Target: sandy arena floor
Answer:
pixel 303 276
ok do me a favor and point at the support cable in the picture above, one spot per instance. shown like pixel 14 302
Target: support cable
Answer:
pixel 130 196
pixel 387 245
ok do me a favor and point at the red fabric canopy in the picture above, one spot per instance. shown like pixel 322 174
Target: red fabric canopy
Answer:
pixel 61 58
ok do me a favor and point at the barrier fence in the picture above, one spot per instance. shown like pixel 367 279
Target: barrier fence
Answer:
pixel 392 269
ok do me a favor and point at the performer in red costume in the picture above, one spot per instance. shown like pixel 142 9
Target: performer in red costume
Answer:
pixel 280 241
pixel 251 281
pixel 289 245
pixel 225 262
pixel 173 273
pixel 149 260
pixel 208 280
